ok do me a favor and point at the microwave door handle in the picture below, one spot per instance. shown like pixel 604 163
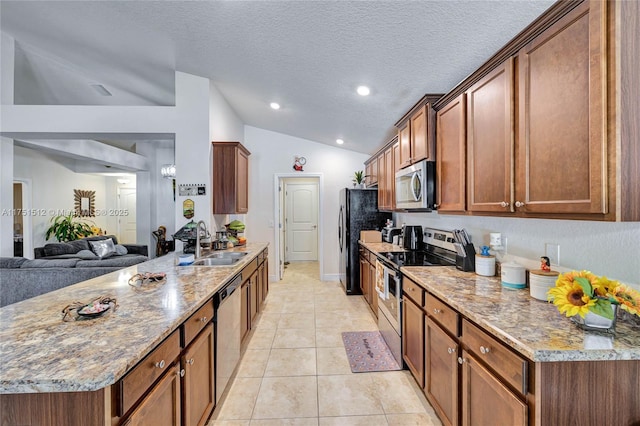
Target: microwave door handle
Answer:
pixel 414 177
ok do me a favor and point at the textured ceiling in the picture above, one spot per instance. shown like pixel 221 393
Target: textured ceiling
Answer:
pixel 307 55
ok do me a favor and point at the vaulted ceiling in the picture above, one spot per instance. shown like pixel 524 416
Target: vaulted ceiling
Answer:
pixel 309 56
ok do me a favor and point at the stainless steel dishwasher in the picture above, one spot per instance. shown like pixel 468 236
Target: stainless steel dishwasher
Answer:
pixel 227 351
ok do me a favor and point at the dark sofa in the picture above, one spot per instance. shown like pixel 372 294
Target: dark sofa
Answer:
pixel 58 265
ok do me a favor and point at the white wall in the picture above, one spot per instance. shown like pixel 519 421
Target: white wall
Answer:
pixel 52 191
pixel 611 249
pixel 273 153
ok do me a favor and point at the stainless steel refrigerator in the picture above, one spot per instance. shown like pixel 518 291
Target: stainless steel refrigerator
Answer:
pixel 358 212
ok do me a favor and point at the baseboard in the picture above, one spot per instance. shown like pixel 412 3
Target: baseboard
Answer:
pixel 330 277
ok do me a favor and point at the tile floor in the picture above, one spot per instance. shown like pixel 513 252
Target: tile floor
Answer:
pixel 295 369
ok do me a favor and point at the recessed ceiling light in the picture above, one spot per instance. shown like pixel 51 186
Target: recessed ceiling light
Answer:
pixel 363 91
pixel 274 105
pixel 339 141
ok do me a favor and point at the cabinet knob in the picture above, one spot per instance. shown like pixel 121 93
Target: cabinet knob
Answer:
pixel 504 204
pixel 203 319
pixel 450 350
pixel 435 206
pixel 519 204
pixel 160 364
pixel 190 361
pixel 437 311
pixel 461 360
pixel 180 373
pixel 484 350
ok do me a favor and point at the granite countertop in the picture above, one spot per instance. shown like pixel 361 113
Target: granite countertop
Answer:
pixel 41 353
pixel 532 327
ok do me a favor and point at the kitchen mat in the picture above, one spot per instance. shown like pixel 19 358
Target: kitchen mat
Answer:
pixel 367 351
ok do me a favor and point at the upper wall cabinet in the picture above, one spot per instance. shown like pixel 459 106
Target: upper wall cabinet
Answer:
pixel 451 156
pixel 561 163
pixel 490 141
pixel 371 172
pixel 230 183
pixel 416 132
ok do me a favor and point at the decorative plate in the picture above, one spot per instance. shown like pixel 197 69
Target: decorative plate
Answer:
pixel 93 310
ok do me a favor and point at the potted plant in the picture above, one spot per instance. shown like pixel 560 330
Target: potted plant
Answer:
pixel 68 228
pixel 358 179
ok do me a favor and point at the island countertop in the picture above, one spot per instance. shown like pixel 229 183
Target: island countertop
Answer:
pixel 41 353
pixel 532 327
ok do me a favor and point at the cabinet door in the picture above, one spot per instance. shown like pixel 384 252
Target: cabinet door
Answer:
pixel 364 275
pixel 372 286
pixel 490 141
pixel 395 148
pixel 244 310
pixel 367 173
pixel 374 171
pixel 161 406
pixel 451 148
pixel 389 179
pixel 382 182
pixel 253 294
pixel 242 179
pixel 419 135
pixel 404 138
pixel 198 381
pixel 441 372
pixel 413 339
pixel 486 400
pixel 562 116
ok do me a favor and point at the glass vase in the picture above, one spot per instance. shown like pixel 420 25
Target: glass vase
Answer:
pixel 596 322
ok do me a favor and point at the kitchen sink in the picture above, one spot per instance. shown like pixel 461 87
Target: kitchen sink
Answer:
pixel 220 259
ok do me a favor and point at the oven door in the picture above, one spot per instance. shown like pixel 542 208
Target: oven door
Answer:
pixel 390 306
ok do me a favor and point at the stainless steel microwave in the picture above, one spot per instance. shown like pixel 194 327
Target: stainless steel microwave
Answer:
pixel 415 186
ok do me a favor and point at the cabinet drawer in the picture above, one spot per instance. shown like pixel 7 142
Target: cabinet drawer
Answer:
pixel 197 322
pixel 442 313
pixel 413 290
pixel 511 367
pixel 372 257
pixel 249 269
pixel 140 379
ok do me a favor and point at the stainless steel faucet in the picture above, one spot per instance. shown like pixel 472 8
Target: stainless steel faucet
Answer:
pixel 201 223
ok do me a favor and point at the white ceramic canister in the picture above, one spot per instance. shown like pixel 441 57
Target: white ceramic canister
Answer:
pixel 540 282
pixel 485 265
pixel 513 275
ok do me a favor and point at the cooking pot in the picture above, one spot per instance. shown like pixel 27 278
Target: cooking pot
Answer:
pixel 412 237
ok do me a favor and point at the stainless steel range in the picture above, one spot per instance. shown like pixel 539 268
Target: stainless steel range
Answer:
pixel 437 250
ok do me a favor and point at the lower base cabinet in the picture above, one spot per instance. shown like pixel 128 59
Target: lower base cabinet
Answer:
pixel 485 399
pixel 413 338
pixel 161 407
pixel 198 381
pixel 441 372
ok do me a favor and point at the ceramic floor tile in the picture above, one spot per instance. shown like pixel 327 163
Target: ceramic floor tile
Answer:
pixel 354 421
pixel 240 400
pixel 295 338
pixel 253 363
pixel 297 320
pixel 268 320
pixel 287 397
pixel 262 338
pixel 331 319
pixel 305 306
pixel 420 419
pixel 404 398
pixel 291 362
pixel 229 423
pixel 301 421
pixel 329 338
pixel 332 361
pixel 348 395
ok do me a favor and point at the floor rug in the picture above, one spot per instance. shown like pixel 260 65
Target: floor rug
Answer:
pixel 367 351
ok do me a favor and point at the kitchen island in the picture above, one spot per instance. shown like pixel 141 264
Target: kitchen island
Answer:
pixel 466 340
pixel 77 363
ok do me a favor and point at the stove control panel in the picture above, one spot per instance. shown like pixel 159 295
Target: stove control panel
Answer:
pixel 439 238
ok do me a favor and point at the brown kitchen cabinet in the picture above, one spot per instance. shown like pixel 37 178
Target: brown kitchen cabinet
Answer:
pixel 368 279
pixel 441 372
pixel 490 141
pixel 451 148
pixel 413 344
pixel 485 398
pixel 245 307
pixel 561 162
pixel 386 180
pixel 230 181
pixel 371 172
pixel 198 381
pixel 161 406
pixel 416 132
pixel 365 284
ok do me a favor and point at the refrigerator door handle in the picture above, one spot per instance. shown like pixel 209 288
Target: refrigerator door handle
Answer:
pixel 340 218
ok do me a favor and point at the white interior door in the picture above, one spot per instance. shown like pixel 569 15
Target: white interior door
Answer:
pixel 281 228
pixel 301 221
pixel 127 223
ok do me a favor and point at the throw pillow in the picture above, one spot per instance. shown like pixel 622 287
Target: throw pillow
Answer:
pixel 121 250
pixel 86 255
pixel 103 248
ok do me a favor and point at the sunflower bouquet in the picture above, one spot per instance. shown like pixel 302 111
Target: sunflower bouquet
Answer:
pixel 581 292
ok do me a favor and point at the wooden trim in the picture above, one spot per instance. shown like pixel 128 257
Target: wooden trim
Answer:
pixel 429 98
pixel 233 144
pixel 548 18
